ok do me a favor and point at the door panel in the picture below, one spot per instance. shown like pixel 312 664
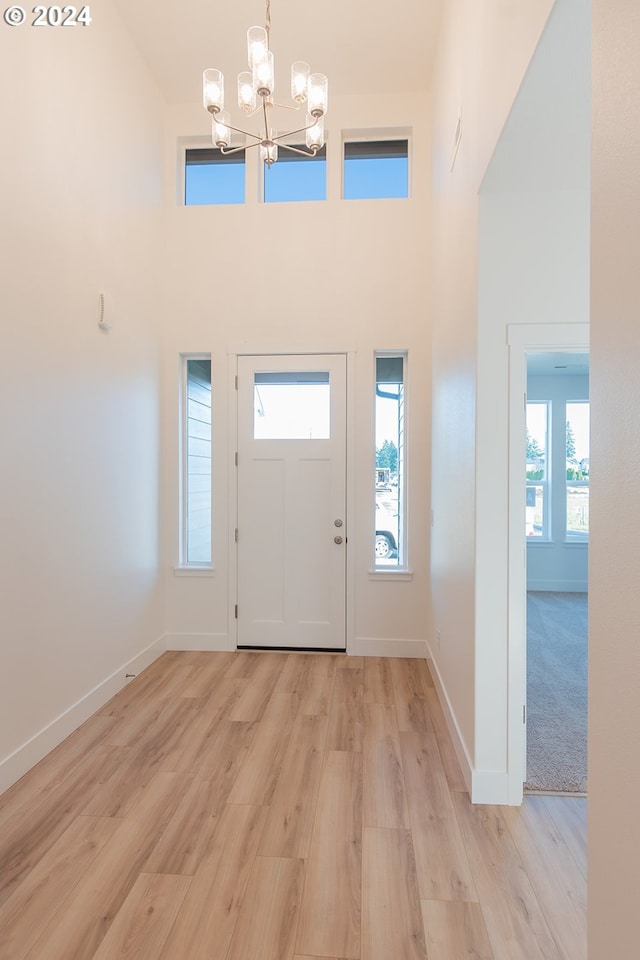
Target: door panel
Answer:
pixel 291 489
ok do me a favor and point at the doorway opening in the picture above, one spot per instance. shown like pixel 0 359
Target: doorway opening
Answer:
pixel 557 543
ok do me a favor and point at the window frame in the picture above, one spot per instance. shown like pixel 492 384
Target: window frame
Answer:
pixel 186 566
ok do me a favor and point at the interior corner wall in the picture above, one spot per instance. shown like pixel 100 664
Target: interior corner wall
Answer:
pixel 79 417
pixel 325 276
pixel 484 51
pixel 614 600
pixel 533 242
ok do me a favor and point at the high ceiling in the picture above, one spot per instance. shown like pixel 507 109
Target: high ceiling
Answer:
pixel 361 46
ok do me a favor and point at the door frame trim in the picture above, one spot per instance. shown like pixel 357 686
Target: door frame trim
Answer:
pixel 246 350
pixel 524 338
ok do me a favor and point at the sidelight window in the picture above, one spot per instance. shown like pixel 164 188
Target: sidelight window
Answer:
pixel 389 526
pixel 196 461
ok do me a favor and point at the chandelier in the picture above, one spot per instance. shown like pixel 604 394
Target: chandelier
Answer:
pixel 255 96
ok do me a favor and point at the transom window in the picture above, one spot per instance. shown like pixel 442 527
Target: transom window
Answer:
pixel 294 177
pixel 210 177
pixel 374 169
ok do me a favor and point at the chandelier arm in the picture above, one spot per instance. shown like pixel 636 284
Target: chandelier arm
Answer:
pixel 253 113
pixel 245 133
pixel 226 152
pixel 287 106
pixel 291 133
pixel 303 153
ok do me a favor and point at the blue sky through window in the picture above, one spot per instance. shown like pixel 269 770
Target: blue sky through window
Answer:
pixel 295 180
pixel 381 175
pixel 207 183
pixel 371 178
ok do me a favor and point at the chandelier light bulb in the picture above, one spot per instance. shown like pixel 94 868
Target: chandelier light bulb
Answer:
pixel 246 92
pixel 213 90
pixel 299 80
pixel 317 94
pixel 268 152
pixel 257 45
pixel 221 133
pixel 315 133
pixel 263 75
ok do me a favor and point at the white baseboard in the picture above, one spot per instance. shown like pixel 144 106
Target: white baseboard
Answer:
pixel 33 750
pixel 459 743
pixel 561 586
pixel 212 642
pixel 484 786
pixel 379 647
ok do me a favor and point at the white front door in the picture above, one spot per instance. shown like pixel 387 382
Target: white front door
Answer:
pixel 291 501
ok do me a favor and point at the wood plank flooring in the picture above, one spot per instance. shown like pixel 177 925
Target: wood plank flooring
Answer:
pixel 273 806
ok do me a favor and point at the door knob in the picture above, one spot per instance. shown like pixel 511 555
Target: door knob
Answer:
pixel 337 523
pixel 337 539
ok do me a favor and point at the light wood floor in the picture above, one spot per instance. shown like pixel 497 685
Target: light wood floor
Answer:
pixel 272 806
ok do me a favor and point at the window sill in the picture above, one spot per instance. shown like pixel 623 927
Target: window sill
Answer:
pixel 194 570
pixel 390 574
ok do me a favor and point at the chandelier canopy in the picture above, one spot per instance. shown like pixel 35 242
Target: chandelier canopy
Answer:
pixel 255 95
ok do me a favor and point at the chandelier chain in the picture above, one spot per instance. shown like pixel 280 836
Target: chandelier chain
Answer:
pixel 267 24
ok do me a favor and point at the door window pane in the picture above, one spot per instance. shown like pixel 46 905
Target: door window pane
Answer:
pixel 292 406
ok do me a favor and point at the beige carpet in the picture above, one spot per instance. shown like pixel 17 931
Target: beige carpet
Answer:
pixel 557 692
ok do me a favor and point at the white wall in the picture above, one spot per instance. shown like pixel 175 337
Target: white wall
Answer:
pixel 614 609
pixel 558 564
pixel 314 277
pixel 484 52
pixel 79 414
pixel 533 243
